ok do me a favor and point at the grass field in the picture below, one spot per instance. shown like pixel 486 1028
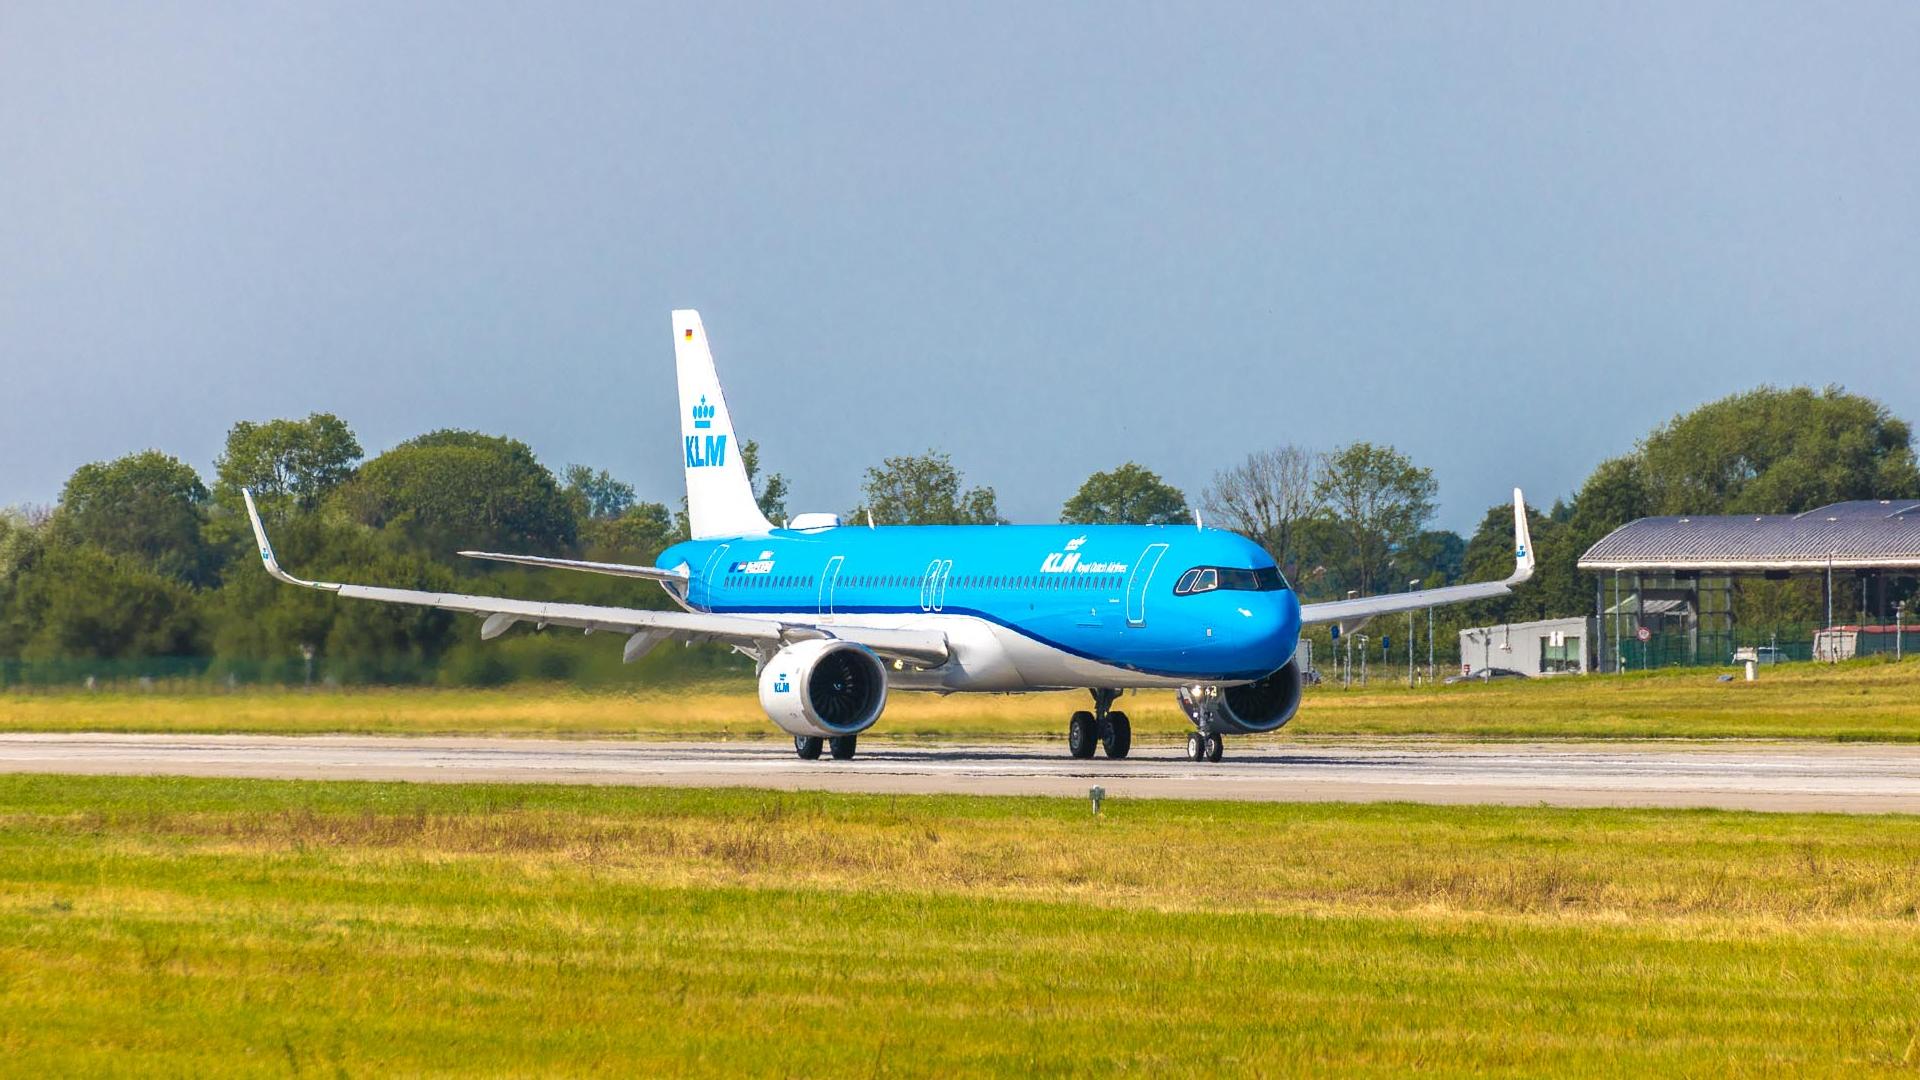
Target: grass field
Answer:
pixel 1865 700
pixel 205 927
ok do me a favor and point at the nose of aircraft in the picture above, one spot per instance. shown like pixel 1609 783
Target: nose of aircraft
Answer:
pixel 1270 624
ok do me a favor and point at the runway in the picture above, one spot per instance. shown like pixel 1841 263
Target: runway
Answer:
pixel 1854 778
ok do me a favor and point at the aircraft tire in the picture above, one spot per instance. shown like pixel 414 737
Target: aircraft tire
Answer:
pixel 843 746
pixel 1117 740
pixel 1083 735
pixel 1196 746
pixel 807 746
pixel 1215 747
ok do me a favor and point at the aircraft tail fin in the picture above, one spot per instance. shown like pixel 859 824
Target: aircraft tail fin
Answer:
pixel 720 498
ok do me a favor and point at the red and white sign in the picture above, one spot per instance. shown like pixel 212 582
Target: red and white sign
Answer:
pixel 1643 634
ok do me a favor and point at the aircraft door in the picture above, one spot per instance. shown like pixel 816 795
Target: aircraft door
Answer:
pixel 827 579
pixel 1137 583
pixel 714 569
pixel 940 575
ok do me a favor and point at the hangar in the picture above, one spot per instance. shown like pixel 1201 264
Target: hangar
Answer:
pixel 1669 590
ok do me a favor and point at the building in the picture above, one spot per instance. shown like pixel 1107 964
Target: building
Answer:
pixel 1665 586
pixel 1548 647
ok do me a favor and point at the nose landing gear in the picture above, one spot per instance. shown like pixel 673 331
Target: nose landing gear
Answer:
pixel 1208 747
pixel 1104 728
pixel 1201 703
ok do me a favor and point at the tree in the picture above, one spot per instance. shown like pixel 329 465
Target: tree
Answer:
pixel 301 461
pixel 1773 451
pixel 1129 495
pixel 770 493
pixel 258 619
pixel 1556 588
pixel 147 506
pixel 1266 498
pixel 455 489
pixel 1379 500
pixel 597 495
pixel 80 601
pixel 923 490
pixel 636 536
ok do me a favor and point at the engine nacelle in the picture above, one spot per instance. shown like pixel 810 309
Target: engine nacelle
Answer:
pixel 1258 707
pixel 824 688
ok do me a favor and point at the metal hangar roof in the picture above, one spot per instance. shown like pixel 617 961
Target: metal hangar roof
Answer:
pixel 1864 534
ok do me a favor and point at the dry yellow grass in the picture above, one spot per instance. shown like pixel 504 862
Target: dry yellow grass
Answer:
pixel 212 927
pixel 1860 701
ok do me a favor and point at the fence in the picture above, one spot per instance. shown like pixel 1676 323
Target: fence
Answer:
pixel 1780 644
pixel 534 658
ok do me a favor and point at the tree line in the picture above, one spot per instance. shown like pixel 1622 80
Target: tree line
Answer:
pixel 142 557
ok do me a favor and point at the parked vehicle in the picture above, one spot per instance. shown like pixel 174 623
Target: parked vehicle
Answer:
pixel 1487 674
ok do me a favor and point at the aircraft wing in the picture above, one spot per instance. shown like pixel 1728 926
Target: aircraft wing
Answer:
pixel 650 573
pixel 647 628
pixel 1351 613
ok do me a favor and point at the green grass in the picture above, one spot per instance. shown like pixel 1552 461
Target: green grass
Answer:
pixel 1865 700
pixel 211 926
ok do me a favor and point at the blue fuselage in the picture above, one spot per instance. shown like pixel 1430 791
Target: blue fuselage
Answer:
pixel 1104 594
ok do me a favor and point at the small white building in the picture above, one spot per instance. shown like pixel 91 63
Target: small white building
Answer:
pixel 1547 647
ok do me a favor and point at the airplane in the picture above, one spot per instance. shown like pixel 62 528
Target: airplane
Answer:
pixel 837 614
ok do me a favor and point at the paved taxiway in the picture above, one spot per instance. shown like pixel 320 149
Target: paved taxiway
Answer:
pixel 1761 776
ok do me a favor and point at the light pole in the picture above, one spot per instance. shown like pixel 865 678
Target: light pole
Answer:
pixel 1410 587
pixel 1899 630
pixel 1619 647
pixel 1351 593
pixel 1430 646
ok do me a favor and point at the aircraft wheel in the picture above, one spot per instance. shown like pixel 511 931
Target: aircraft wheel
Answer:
pixel 1215 746
pixel 1118 738
pixel 1083 735
pixel 807 746
pixel 1196 746
pixel 843 746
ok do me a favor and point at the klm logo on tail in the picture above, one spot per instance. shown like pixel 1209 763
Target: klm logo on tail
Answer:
pixel 705 450
pixel 712 450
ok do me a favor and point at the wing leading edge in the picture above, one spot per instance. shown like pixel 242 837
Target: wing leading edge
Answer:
pixel 1350 613
pixel 649 573
pixel 647 628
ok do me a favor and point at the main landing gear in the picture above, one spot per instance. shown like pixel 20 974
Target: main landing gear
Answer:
pixel 1201 704
pixel 1104 728
pixel 809 746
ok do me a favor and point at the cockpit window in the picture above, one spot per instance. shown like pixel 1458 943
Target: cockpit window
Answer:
pixel 1208 578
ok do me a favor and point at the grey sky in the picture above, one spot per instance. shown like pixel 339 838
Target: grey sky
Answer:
pixel 1048 239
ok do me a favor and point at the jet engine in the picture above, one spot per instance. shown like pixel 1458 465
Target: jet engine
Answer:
pixel 824 687
pixel 1264 705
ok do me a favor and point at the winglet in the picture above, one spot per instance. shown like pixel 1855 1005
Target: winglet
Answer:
pixel 1522 541
pixel 266 549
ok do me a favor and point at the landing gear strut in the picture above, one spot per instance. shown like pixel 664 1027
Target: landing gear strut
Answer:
pixel 1104 728
pixel 1201 703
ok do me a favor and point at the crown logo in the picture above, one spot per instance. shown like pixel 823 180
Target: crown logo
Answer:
pixel 703 413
